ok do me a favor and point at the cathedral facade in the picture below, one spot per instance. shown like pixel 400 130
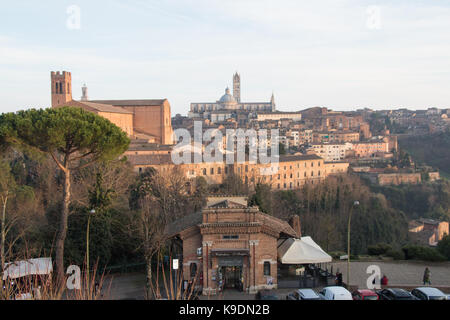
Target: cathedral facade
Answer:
pixel 229 105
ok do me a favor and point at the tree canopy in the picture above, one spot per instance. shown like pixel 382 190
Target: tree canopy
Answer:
pixel 66 131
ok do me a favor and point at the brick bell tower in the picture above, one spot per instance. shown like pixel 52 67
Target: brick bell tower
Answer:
pixel 61 88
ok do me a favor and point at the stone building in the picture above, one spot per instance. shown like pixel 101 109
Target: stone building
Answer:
pixel 291 172
pixel 230 245
pixel 147 120
pixel 230 105
pixel 428 231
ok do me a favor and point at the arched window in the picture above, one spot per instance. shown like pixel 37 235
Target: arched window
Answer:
pixel 267 268
pixel 193 269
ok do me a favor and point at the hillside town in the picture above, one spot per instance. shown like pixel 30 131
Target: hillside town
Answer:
pixel 313 145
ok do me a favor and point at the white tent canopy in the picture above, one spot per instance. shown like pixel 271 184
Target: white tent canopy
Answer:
pixel 24 268
pixel 301 251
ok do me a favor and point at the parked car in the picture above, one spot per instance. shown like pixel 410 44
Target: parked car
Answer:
pixel 303 294
pixel 428 293
pixel 364 294
pixel 395 294
pixel 266 295
pixel 335 293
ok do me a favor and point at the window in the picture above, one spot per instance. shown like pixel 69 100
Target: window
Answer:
pixel 204 171
pixel 219 170
pixel 193 269
pixel 212 170
pixel 267 268
pixel 230 237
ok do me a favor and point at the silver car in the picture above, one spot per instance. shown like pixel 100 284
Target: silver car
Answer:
pixel 303 294
pixel 429 293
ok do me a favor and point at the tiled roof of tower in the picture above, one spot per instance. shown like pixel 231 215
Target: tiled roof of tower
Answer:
pixel 195 219
pixel 184 223
pixel 276 224
pixel 141 102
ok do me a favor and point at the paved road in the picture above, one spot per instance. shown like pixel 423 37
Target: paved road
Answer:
pixel 131 286
pixel 398 272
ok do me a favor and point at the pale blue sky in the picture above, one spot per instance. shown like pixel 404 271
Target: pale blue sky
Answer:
pixel 330 53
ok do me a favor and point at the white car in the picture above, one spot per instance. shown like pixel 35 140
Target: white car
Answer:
pixel 428 293
pixel 335 293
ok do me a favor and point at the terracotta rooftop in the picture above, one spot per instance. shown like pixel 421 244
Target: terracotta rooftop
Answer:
pixel 142 102
pixel 96 106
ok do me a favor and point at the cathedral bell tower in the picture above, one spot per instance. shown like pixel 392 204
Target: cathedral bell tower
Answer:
pixel 237 87
pixel 61 88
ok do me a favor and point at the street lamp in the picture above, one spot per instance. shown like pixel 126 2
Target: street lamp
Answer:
pixel 87 245
pixel 355 204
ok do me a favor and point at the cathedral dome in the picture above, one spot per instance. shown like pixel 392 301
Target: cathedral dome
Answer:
pixel 227 97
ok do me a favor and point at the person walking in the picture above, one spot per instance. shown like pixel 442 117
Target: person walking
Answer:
pixel 384 280
pixel 340 282
pixel 427 276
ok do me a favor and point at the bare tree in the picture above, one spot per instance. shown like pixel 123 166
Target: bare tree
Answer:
pixel 160 198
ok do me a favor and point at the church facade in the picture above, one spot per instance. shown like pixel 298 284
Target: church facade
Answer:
pixel 229 105
pixel 147 120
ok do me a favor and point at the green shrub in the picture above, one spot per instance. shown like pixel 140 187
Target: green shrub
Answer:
pixel 414 252
pixel 396 254
pixel 444 246
pixel 378 249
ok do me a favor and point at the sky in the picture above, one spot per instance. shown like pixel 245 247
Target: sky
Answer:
pixel 340 54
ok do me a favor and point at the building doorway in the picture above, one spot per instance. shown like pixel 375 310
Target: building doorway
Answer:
pixel 232 277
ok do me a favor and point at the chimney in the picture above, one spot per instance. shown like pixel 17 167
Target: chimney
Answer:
pixel 295 224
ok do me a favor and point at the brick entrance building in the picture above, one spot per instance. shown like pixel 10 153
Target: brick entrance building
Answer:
pixel 230 245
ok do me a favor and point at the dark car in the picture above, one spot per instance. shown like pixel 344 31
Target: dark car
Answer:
pixel 395 294
pixel 266 295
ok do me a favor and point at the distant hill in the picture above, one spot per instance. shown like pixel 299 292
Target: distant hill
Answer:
pixel 429 149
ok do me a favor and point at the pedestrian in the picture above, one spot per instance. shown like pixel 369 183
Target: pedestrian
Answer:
pixel 384 280
pixel 427 276
pixel 340 279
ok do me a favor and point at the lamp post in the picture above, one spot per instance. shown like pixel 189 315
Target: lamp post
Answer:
pixel 355 204
pixel 87 246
